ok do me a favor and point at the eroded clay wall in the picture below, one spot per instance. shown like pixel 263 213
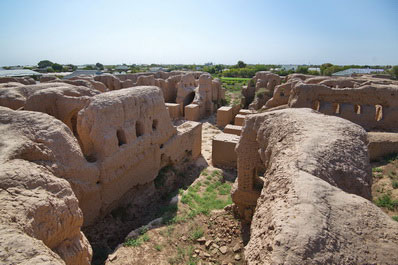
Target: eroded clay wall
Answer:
pixel 374 107
pixel 125 132
pixel 312 205
pixel 40 164
pixel 178 87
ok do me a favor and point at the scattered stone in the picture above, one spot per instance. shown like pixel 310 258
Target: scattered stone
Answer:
pixel 223 250
pixel 184 238
pixel 208 243
pixel 236 248
pixel 237 257
pixel 207 255
pixel 201 240
pixel 112 257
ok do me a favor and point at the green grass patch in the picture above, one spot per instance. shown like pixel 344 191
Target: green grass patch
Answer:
pixel 223 78
pixel 395 218
pixel 394 184
pixel 183 256
pixel 377 169
pixel 224 189
pixel 208 199
pixel 197 232
pixel 158 247
pixel 386 201
pixel 135 242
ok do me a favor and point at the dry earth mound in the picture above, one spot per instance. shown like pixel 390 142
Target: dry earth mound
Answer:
pixel 40 215
pixel 307 211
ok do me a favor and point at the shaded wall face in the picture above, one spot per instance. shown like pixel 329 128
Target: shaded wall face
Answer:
pixel 373 107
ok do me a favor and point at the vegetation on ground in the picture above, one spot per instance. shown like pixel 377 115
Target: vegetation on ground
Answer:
pixel 233 88
pixel 209 192
pixel 135 242
pixel 385 184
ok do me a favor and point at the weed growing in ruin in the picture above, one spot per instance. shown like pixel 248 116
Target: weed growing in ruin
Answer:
pixel 224 189
pixel 395 218
pixel 196 233
pixel 182 255
pixel 158 247
pixel 386 202
pixel 135 242
pixel 377 169
pixel 394 184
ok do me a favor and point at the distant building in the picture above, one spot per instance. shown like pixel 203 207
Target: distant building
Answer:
pixel 314 69
pixel 157 69
pixel 83 72
pixel 122 68
pixel 349 72
pixel 18 73
pixel 288 67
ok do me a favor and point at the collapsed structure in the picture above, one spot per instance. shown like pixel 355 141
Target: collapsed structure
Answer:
pixel 72 151
pixel 259 89
pixel 89 157
pixel 195 95
pixel 312 205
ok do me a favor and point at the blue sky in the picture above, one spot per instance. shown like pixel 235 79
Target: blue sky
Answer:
pixel 219 31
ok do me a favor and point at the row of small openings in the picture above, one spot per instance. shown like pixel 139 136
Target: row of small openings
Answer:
pixel 139 131
pixel 189 85
pixel 357 109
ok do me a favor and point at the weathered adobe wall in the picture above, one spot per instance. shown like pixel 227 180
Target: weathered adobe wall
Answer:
pixel 307 211
pixel 22 80
pixel 128 134
pixel 262 79
pixel 282 92
pixel 40 216
pixel 177 87
pixel 374 107
pixel 14 95
pixel 126 137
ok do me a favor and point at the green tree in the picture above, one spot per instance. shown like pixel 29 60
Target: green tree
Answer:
pixel 324 67
pixel 302 69
pixel 89 67
pixel 44 64
pixel 394 71
pixel 241 64
pixel 57 67
pixel 99 66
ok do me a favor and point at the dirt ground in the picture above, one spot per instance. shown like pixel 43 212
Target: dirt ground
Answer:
pixel 385 185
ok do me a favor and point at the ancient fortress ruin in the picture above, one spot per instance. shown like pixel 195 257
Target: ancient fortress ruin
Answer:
pixel 74 150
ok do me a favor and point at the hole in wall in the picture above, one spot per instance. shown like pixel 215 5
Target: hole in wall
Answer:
pixel 139 129
pixel 315 105
pixel 336 108
pixel 90 158
pixel 379 112
pixel 189 98
pixel 357 109
pixel 121 137
pixel 154 125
